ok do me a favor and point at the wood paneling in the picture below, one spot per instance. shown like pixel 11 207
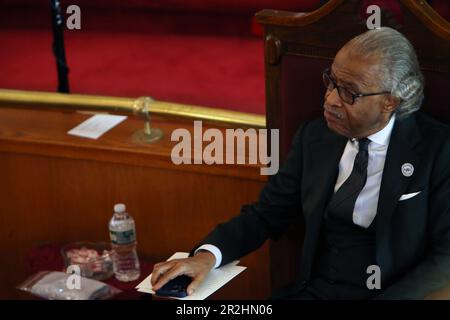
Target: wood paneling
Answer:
pixel 59 188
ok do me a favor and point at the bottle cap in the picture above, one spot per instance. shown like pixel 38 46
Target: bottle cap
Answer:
pixel 120 207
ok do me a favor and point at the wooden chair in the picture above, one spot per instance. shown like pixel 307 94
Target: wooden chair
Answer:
pixel 299 46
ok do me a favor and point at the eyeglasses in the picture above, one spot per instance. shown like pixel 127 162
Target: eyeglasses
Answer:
pixel 346 95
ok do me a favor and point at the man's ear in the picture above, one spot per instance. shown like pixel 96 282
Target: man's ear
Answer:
pixel 390 103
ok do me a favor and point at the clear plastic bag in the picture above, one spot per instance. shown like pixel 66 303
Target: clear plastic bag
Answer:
pixel 54 285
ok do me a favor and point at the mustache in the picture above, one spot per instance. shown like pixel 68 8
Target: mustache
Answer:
pixel 336 112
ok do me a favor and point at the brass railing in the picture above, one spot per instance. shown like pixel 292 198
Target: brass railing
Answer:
pixel 62 101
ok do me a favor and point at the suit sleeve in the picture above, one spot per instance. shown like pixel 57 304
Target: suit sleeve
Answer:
pixel 277 207
pixel 433 272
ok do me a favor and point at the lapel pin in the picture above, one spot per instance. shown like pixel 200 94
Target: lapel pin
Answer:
pixel 407 169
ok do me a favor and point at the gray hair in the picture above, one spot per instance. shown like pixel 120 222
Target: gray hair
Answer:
pixel 400 70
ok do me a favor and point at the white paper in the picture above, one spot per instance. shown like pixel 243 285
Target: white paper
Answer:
pixel 96 125
pixel 216 279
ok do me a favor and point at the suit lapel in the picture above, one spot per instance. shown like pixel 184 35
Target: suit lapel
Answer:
pixel 323 156
pixel 405 136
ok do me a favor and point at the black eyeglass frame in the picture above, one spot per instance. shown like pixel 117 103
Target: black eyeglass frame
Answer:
pixel 327 73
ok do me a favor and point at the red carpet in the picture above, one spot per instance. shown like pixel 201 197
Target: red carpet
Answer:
pixel 224 72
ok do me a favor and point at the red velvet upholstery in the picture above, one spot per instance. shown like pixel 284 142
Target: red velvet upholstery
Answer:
pixel 443 8
pixel 436 101
pixel 302 94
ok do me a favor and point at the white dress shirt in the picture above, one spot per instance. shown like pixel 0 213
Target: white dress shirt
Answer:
pixel 367 202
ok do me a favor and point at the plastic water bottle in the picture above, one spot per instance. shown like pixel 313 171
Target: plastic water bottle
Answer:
pixel 122 232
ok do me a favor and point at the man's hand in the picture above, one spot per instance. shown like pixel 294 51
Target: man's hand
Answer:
pixel 196 267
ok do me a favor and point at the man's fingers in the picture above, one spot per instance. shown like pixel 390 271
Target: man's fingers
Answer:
pixel 159 270
pixel 167 276
pixel 194 284
pixel 193 267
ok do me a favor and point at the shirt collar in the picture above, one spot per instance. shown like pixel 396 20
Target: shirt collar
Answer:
pixel 383 136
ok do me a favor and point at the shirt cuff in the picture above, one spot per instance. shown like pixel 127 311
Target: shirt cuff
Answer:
pixel 214 250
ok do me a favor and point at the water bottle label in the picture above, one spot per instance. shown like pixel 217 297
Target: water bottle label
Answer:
pixel 122 237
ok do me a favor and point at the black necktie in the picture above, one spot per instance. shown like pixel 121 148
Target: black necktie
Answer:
pixel 342 203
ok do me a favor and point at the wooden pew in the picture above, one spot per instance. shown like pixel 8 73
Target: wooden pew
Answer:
pixel 57 188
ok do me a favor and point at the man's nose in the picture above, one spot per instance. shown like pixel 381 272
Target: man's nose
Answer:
pixel 332 98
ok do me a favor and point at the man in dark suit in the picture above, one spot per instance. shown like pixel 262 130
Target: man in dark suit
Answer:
pixel 371 180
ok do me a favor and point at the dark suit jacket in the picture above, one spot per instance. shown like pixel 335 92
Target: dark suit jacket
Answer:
pixel 412 236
